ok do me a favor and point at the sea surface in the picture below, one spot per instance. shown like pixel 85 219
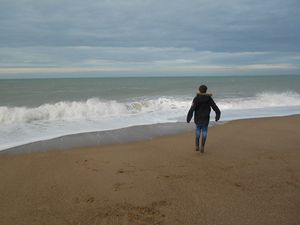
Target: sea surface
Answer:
pixel 40 109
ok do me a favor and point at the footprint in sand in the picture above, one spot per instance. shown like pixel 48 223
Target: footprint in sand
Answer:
pixel 84 163
pixel 130 214
pixel 77 200
pixel 90 200
pixel 120 171
pixel 171 176
pixel 118 186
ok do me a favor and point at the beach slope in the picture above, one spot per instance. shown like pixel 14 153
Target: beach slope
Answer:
pixel 249 174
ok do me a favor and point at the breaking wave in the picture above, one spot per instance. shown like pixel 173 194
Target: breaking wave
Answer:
pixel 166 107
pixel 261 100
pixel 91 109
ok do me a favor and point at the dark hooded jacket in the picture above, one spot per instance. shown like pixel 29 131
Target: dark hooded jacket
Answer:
pixel 201 108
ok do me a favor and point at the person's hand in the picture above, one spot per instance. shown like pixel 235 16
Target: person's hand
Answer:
pixel 217 119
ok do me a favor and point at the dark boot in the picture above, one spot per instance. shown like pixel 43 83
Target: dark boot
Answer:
pixel 202 149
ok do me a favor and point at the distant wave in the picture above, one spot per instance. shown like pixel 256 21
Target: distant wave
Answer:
pixel 261 100
pixel 95 108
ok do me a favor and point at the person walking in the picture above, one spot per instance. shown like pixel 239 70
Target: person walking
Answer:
pixel 201 107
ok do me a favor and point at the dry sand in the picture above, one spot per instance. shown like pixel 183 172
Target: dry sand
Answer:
pixel 249 174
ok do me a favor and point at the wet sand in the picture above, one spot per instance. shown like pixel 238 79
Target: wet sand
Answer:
pixel 249 174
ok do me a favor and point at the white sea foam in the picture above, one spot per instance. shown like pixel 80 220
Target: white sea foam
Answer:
pixel 92 109
pixel 19 125
pixel 261 100
pixel 95 108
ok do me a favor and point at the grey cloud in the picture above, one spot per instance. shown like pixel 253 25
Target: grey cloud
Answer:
pixel 149 34
pixel 204 25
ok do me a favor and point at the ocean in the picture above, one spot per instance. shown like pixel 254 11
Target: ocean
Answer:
pixel 39 109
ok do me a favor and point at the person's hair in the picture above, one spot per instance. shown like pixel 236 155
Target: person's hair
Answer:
pixel 203 88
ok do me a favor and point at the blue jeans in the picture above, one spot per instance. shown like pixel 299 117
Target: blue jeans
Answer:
pixel 199 128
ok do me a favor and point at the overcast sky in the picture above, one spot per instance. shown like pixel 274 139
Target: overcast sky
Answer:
pixel 42 38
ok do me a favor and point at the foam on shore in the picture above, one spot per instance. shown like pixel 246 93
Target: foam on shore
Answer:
pixel 118 136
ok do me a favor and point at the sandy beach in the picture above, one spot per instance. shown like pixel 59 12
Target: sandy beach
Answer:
pixel 248 175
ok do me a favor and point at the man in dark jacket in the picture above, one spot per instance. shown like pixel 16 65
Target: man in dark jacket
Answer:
pixel 201 108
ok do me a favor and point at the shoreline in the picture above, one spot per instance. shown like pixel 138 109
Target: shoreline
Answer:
pixel 115 136
pixel 90 139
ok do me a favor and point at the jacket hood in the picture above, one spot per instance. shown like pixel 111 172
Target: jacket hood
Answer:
pixel 204 94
